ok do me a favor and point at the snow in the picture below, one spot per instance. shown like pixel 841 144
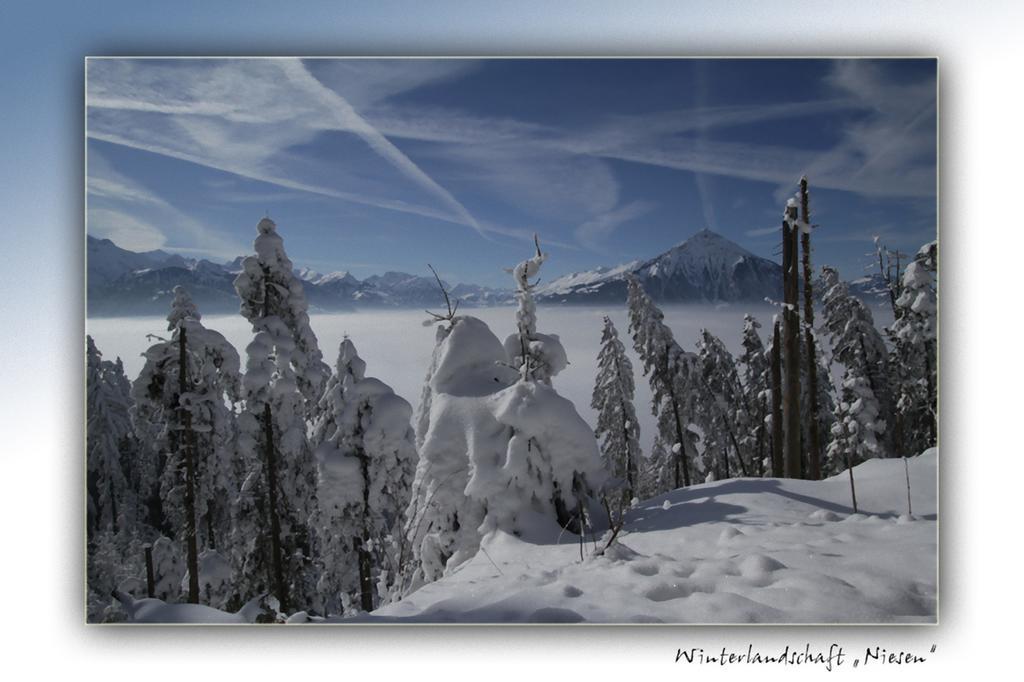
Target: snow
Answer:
pixel 581 280
pixel 735 551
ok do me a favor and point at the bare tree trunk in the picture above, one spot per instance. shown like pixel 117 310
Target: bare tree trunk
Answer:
pixel 853 490
pixel 150 578
pixel 276 558
pixel 813 437
pixel 628 493
pixel 362 544
pixel 777 468
pixel 630 477
pixel 759 453
pixel 791 348
pixel 680 458
pixel 932 398
pixel 280 586
pixel 209 527
pixel 188 443
pixel 906 470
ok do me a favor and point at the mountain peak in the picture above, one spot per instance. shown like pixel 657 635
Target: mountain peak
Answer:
pixel 705 267
pixel 707 241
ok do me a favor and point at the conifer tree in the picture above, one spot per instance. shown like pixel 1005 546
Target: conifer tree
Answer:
pixel 366 459
pixel 540 471
pixel 182 398
pixel 756 379
pixel 670 373
pixel 914 334
pixel 721 408
pixel 857 429
pixel 617 426
pixel 856 342
pixel 283 381
pixel 111 500
pixel 500 450
pixel 536 356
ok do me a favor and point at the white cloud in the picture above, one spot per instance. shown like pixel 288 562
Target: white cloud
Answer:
pixel 760 232
pixel 347 118
pixel 595 231
pixel 125 230
pixel 123 211
pixel 242 117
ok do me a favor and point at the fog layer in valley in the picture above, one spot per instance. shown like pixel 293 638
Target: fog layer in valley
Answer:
pixel 397 347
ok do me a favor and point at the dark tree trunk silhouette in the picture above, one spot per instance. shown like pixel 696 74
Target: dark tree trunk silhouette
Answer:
pixel 680 457
pixel 777 467
pixel 150 578
pixel 813 437
pixel 362 543
pixel 187 444
pixel 791 347
pixel 277 563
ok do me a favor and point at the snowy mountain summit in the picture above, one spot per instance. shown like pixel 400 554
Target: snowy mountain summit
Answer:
pixel 707 267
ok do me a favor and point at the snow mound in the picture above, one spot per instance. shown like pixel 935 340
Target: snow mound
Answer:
pixel 725 552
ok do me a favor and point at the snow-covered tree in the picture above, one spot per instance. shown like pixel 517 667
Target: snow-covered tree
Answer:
pixel 857 430
pixel 755 374
pixel 284 379
pixel 914 359
pixel 469 366
pixel 500 449
pixel 112 503
pixel 182 403
pixel 856 342
pixel 721 408
pixel 115 561
pixel 366 459
pixel 536 356
pixel 617 426
pixel 670 373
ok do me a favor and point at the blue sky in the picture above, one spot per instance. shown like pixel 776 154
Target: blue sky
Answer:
pixel 374 165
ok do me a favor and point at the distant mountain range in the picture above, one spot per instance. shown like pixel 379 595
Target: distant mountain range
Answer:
pixel 125 283
pixel 706 268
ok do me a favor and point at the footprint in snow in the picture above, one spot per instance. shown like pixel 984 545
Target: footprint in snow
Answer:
pixel 646 569
pixel 571 591
pixel 551 614
pixel 727 534
pixel 668 591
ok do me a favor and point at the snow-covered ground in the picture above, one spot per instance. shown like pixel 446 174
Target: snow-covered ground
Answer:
pixel 736 551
